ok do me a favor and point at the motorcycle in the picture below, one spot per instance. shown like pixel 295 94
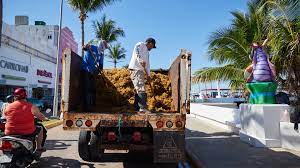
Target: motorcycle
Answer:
pixel 18 151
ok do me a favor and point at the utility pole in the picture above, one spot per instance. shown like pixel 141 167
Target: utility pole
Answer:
pixel 1 17
pixel 55 103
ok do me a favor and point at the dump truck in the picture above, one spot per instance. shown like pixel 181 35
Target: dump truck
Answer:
pixel 161 134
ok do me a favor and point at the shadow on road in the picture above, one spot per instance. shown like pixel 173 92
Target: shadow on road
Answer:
pixel 223 149
pixel 134 160
pixel 192 133
pixel 52 161
pixel 128 162
pixel 58 144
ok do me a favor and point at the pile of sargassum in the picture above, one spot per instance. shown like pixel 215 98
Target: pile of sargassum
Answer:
pixel 115 92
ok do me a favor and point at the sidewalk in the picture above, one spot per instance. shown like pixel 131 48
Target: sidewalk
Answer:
pixel 214 147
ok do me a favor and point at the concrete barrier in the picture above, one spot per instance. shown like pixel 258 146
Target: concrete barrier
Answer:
pixel 290 138
pixel 260 124
pixel 227 118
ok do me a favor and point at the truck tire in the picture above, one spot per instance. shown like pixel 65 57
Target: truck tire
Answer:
pixel 83 144
pixel 95 151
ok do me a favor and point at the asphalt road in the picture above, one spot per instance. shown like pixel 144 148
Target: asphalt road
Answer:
pixel 62 152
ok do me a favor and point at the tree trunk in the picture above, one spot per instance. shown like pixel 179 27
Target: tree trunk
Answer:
pixel 82 36
pixel 115 63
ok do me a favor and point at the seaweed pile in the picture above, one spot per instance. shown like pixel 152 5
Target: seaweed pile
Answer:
pixel 115 91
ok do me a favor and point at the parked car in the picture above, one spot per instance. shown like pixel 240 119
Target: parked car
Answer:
pixel 37 103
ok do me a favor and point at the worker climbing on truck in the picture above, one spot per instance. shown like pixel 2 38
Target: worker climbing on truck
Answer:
pixel 92 64
pixel 139 66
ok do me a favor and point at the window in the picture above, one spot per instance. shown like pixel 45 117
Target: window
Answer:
pixel 49 37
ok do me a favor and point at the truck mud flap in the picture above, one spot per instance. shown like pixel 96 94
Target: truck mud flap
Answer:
pixel 169 146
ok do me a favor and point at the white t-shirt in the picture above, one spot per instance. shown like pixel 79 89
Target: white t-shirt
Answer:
pixel 140 54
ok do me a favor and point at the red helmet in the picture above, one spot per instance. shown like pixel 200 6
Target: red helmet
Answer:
pixel 20 93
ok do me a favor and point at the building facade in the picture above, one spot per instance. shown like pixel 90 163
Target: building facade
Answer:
pixel 23 66
pixel 28 59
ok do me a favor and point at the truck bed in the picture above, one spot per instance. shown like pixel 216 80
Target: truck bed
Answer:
pixel 179 75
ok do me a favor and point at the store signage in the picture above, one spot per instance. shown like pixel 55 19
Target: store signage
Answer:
pixel 13 66
pixel 44 73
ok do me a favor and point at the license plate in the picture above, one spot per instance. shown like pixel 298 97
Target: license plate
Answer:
pixel 6 158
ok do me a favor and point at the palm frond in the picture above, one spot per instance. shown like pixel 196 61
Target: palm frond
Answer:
pixel 86 6
pixel 106 29
pixel 225 73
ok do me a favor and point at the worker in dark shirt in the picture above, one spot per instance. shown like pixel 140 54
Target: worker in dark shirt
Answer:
pixel 92 64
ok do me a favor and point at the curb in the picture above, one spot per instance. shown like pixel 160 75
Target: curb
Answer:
pixel 48 126
pixel 195 162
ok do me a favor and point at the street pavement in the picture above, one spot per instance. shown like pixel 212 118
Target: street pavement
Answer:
pixel 214 147
pixel 62 152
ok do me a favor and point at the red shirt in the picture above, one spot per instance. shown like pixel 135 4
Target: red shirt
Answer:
pixel 19 119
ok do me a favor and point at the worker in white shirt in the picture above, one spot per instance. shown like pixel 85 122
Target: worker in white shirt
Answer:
pixel 139 66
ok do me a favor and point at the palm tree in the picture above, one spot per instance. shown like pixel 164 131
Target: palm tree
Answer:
pixel 107 30
pixel 285 45
pixel 289 8
pixel 230 47
pixel 116 53
pixel 86 6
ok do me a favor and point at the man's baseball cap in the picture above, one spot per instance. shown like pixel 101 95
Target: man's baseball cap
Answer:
pixel 151 40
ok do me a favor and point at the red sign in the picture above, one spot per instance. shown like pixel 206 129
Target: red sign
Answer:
pixel 44 73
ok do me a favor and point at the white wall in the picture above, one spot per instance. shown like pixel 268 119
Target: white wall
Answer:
pixel 18 57
pixel 34 36
pixel 38 63
pixel 219 114
pixel 12 55
pixel 261 125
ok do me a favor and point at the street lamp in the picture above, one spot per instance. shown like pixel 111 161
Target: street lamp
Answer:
pixel 55 100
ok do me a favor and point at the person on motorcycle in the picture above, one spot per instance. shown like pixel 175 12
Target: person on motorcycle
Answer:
pixel 9 99
pixel 20 118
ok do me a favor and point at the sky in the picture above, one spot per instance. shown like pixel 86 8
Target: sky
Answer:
pixel 175 24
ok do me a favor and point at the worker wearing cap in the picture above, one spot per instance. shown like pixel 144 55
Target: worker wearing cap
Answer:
pixel 92 64
pixel 139 67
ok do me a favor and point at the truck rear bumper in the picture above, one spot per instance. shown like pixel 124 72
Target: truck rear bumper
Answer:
pixel 89 121
pixel 126 147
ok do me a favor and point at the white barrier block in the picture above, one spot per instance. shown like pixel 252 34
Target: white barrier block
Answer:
pixel 290 138
pixel 260 124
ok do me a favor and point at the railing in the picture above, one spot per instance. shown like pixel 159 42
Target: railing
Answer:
pixel 6 40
